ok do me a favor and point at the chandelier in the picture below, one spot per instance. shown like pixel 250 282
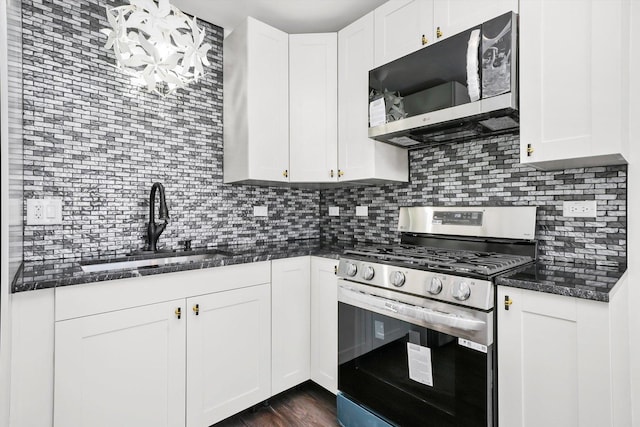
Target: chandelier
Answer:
pixel 155 43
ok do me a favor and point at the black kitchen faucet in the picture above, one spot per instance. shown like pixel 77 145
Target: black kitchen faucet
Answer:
pixel 155 230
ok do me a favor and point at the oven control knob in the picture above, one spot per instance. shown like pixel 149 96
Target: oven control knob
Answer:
pixel 368 273
pixel 397 278
pixel 435 287
pixel 351 269
pixel 461 291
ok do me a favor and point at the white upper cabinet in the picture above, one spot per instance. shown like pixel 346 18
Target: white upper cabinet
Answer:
pixel 362 159
pixel 256 104
pixel 573 82
pixel 453 16
pixel 313 105
pixel 402 27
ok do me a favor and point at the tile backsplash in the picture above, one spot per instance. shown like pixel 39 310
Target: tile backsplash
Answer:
pixel 487 172
pixel 98 143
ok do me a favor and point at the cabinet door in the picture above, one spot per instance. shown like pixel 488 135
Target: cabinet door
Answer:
pixel 400 26
pixel 553 361
pixel 290 322
pixel 313 107
pixel 571 83
pixel 453 16
pixel 324 323
pixel 361 158
pixel 122 368
pixel 228 353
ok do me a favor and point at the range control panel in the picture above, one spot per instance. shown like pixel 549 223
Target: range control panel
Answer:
pixel 473 218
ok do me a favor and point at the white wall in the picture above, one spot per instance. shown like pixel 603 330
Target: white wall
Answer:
pixel 634 213
pixel 5 347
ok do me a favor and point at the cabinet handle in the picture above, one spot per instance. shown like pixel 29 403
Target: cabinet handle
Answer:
pixel 507 302
pixel 286 173
pixel 424 40
pixel 196 309
pixel 438 32
pixel 529 150
pixel 340 173
pixel 331 173
pixel 178 312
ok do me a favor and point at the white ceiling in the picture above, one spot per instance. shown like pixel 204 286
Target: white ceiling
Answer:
pixel 290 16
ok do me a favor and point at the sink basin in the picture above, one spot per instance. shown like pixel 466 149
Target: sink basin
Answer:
pixel 91 267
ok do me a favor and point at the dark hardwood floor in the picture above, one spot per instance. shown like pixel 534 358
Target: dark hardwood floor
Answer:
pixel 305 405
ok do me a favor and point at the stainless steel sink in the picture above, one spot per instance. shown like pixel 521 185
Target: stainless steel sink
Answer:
pixel 92 267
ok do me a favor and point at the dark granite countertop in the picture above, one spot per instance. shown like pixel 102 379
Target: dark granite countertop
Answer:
pixel 64 272
pixel 587 281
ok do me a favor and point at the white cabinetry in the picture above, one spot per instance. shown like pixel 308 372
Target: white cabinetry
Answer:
pixel 362 159
pixel 132 352
pixel 228 353
pixel 313 104
pixel 453 16
pixel 401 27
pixel 573 82
pixel 256 104
pixel 554 360
pixel 324 323
pixel 119 368
pixel 290 322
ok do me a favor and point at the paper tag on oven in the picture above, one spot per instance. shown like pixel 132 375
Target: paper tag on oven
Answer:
pixel 420 368
pixel 472 345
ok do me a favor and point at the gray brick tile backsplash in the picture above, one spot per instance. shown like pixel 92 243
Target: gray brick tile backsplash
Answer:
pixel 487 172
pixel 97 142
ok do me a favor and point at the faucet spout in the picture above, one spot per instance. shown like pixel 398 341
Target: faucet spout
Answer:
pixel 155 230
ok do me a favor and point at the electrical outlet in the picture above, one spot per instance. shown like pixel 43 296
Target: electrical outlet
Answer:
pixel 260 211
pixel 580 208
pixel 334 211
pixel 362 211
pixel 44 211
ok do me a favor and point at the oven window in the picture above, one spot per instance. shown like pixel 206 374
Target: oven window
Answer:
pixel 374 372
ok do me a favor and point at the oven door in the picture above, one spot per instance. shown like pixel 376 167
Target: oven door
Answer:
pixel 412 361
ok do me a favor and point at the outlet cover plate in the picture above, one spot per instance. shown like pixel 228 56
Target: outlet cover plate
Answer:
pixel 334 211
pixel 44 211
pixel 362 211
pixel 260 211
pixel 580 208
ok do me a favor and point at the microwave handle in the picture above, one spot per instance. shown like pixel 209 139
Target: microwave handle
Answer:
pixel 402 310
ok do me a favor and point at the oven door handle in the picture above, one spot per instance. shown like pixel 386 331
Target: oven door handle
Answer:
pixel 408 311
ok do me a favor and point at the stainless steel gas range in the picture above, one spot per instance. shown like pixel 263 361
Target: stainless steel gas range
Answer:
pixel 416 322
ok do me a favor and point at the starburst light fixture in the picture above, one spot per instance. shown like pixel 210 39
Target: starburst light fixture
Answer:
pixel 158 45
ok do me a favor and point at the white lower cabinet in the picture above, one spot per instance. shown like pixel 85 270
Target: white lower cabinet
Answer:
pixel 554 360
pixel 228 353
pixel 290 323
pixel 121 368
pixel 324 323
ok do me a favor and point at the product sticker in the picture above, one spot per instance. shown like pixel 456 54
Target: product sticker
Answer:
pixel 420 368
pixel 472 345
pixel 377 113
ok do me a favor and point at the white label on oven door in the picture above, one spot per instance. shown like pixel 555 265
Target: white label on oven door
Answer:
pixel 473 345
pixel 420 368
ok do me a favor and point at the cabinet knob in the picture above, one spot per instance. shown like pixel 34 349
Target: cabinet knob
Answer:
pixel 507 302
pixel 529 150
pixel 331 173
pixel 178 312
pixel 286 173
pixel 196 309
pixel 340 173
pixel 424 40
pixel 438 32
pixel 335 269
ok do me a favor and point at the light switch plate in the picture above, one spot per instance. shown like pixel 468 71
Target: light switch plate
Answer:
pixel 334 211
pixel 580 208
pixel 260 211
pixel 362 210
pixel 44 211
